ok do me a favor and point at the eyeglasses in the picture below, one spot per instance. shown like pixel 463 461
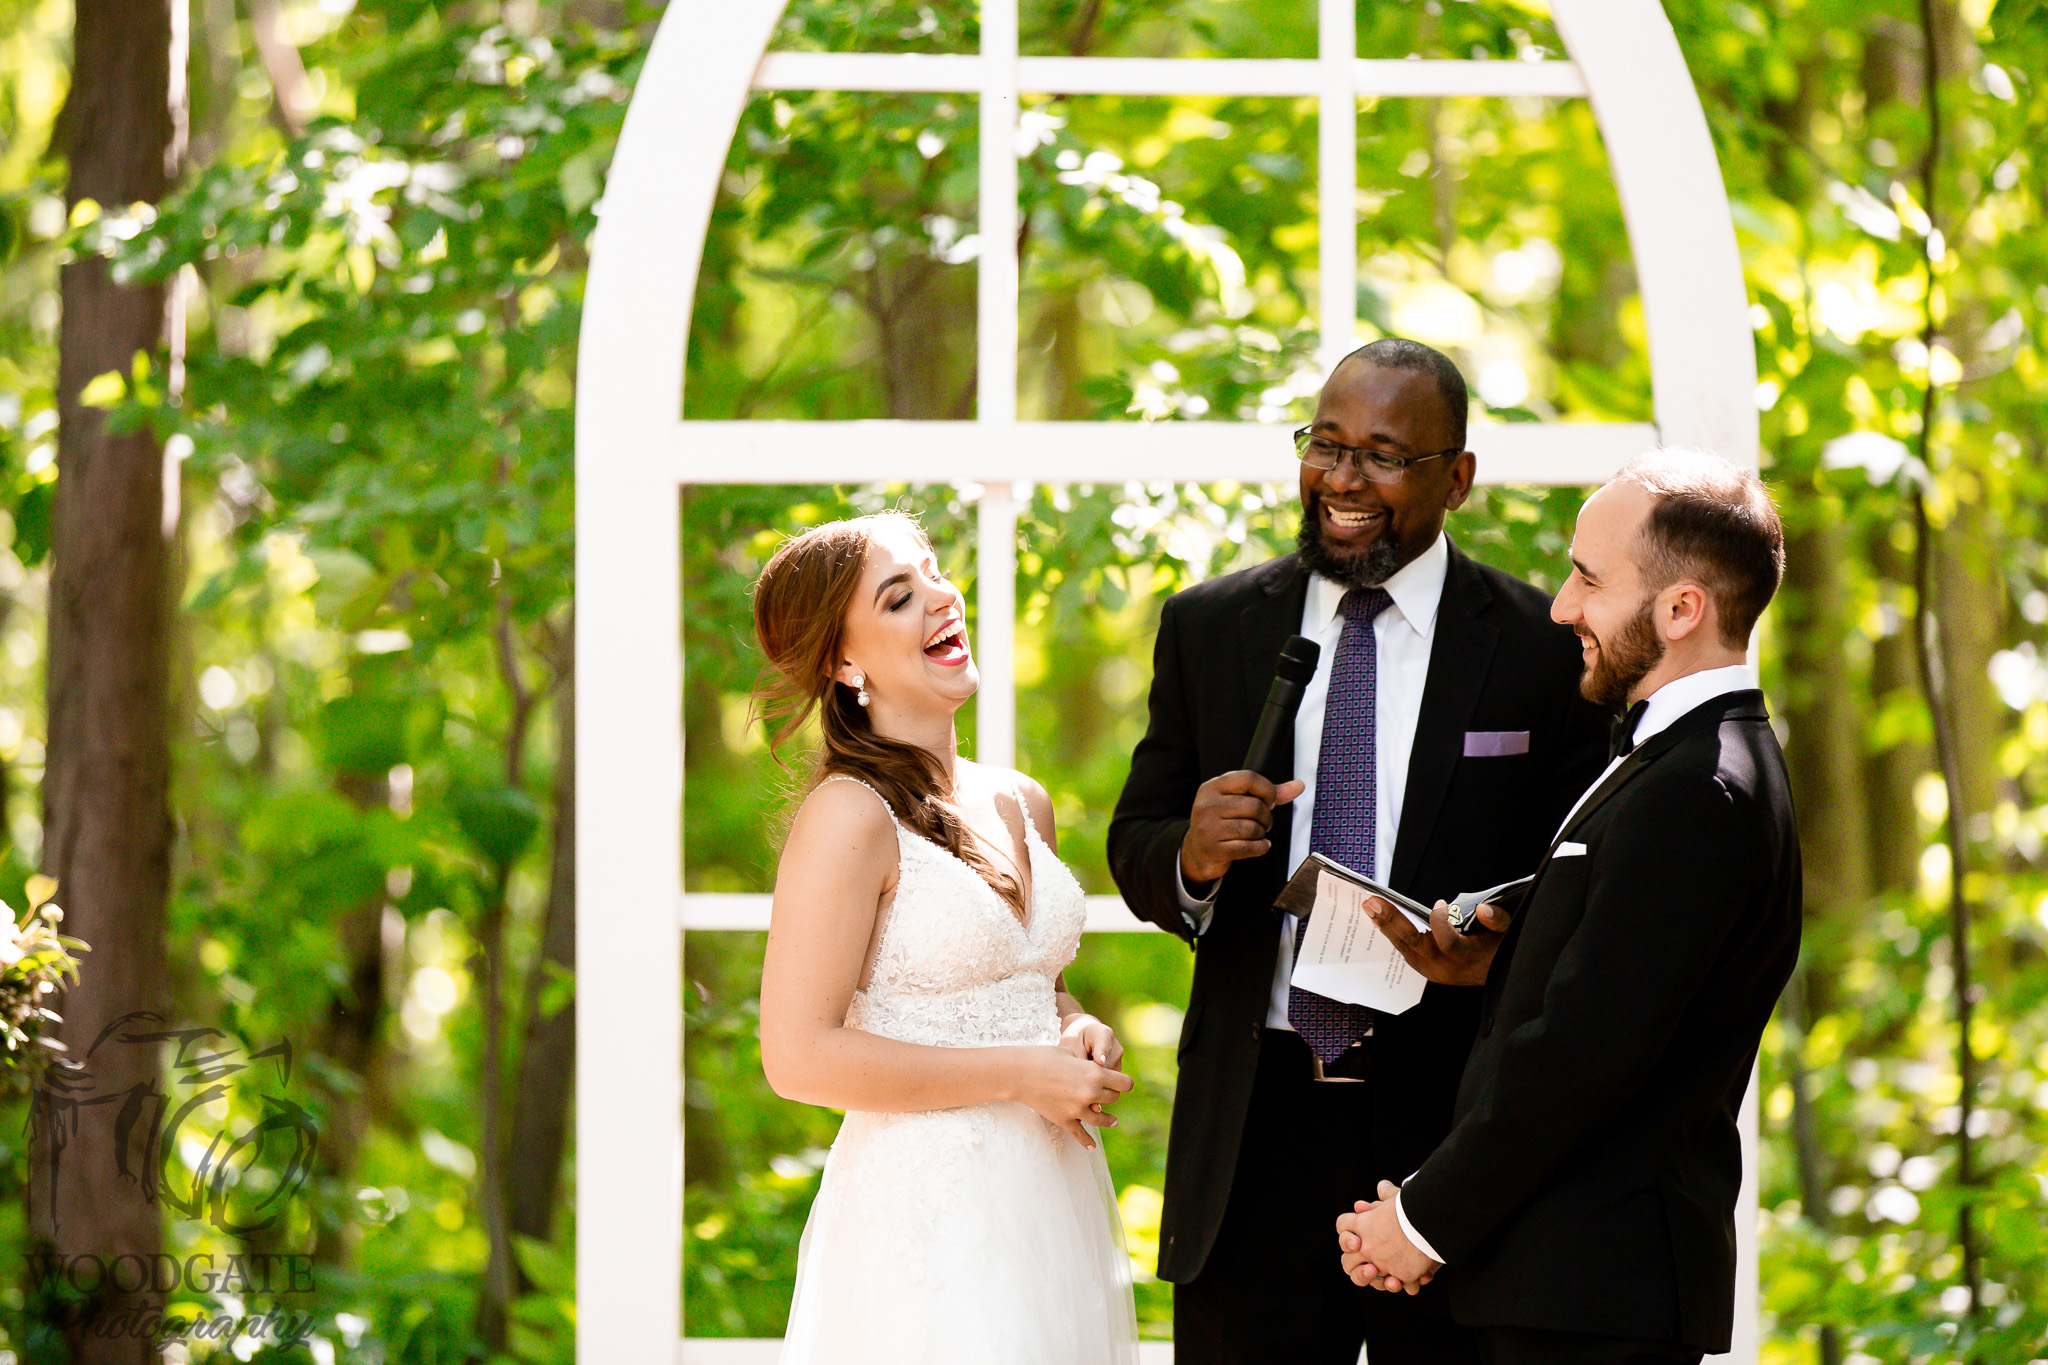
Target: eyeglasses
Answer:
pixel 1380 466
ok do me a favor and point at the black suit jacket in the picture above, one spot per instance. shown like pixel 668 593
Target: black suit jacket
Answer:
pixel 1589 1182
pixel 1497 662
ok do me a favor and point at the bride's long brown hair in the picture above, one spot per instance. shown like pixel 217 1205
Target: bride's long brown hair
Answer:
pixel 800 604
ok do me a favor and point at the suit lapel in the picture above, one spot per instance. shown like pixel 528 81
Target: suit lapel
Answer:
pixel 1745 705
pixel 1459 655
pixel 1273 616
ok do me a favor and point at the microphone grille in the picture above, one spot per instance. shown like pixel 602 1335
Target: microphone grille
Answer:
pixel 1298 658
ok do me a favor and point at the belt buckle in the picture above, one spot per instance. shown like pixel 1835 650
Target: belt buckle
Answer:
pixel 1316 1064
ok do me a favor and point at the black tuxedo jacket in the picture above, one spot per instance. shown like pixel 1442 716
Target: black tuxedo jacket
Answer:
pixel 1498 662
pixel 1589 1182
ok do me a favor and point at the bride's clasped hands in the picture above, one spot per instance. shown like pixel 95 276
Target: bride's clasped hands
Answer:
pixel 1074 1083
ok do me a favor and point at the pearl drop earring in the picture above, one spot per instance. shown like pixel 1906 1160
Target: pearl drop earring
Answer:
pixel 860 683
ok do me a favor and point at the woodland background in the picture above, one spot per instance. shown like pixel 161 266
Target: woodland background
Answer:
pixel 347 666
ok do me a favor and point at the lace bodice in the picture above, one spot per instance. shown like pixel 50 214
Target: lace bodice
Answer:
pixel 955 967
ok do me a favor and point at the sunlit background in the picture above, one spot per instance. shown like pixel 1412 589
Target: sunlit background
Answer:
pixel 380 245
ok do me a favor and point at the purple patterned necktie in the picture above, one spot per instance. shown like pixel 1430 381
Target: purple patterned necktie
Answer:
pixel 1345 818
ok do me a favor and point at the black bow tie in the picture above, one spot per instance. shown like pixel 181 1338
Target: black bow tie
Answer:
pixel 1621 738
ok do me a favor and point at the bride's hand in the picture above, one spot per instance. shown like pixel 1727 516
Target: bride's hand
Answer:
pixel 1068 1091
pixel 1086 1036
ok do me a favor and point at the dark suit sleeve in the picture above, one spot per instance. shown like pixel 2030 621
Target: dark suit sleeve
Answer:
pixel 1152 814
pixel 1668 880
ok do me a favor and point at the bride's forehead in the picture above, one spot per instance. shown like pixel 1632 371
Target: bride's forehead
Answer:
pixel 894 545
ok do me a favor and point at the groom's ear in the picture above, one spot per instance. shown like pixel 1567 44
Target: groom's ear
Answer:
pixel 1683 609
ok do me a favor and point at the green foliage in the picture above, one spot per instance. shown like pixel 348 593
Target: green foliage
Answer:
pixel 35 962
pixel 375 433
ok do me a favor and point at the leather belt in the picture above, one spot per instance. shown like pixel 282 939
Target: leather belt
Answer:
pixel 1353 1057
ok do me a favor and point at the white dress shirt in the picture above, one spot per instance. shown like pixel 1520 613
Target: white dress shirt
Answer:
pixel 1664 707
pixel 1403 635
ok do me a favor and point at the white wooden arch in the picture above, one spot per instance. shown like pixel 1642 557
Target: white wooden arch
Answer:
pixel 633 452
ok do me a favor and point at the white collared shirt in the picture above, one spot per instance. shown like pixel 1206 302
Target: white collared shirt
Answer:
pixel 1662 710
pixel 1403 636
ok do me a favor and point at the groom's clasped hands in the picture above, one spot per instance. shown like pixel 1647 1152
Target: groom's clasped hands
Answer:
pixel 1376 1252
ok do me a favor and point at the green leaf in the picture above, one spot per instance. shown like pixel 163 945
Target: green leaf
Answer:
pixel 499 821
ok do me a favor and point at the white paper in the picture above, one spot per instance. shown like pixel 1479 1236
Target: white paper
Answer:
pixel 1345 956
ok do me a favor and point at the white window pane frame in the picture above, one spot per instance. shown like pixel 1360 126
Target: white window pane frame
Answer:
pixel 633 452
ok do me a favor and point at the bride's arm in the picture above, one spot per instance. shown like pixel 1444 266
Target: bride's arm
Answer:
pixel 835 868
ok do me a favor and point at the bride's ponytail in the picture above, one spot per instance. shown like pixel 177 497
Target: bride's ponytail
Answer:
pixel 800 603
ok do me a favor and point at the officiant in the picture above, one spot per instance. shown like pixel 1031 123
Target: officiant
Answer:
pixel 1436 749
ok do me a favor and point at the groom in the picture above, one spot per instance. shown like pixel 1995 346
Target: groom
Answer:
pixel 1436 749
pixel 1582 1208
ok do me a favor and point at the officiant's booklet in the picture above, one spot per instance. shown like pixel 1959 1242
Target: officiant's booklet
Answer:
pixel 1344 955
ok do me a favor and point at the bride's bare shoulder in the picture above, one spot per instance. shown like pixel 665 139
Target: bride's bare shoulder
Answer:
pixel 842 805
pixel 843 834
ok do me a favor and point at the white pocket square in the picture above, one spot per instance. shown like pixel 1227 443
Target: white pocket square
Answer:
pixel 1569 851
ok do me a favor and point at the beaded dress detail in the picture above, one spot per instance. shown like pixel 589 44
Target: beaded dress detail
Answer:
pixel 982 1235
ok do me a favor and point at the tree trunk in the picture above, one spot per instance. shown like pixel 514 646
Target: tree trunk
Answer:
pixel 106 787
pixel 547 1063
pixel 352 1035
pixel 1826 721
pixel 1892 773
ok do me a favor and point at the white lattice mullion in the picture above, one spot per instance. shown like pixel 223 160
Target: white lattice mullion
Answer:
pixel 1680 233
pixel 995 631
pixel 631 449
pixel 995 386
pixel 1281 77
pixel 1336 180
pixel 995 332
pixel 629 759
pixel 1100 453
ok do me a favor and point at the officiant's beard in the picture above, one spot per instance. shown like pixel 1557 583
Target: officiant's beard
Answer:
pixel 1622 662
pixel 1367 568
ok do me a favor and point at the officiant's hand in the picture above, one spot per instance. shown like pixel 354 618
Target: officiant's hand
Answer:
pixel 1086 1036
pixel 1068 1091
pixel 1376 1253
pixel 1443 954
pixel 1232 816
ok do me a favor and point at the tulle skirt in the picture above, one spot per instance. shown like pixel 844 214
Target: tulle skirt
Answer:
pixel 976 1236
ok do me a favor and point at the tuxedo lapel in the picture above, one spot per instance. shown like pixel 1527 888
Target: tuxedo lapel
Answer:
pixel 1459 655
pixel 1744 705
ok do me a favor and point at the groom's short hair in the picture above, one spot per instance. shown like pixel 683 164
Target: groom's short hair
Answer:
pixel 1715 524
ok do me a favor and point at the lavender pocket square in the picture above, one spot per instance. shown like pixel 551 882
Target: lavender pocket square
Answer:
pixel 1495 743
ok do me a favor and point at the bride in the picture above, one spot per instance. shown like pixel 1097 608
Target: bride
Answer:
pixel 921 924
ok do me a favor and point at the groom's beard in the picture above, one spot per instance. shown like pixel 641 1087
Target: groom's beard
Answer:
pixel 1622 662
pixel 1367 568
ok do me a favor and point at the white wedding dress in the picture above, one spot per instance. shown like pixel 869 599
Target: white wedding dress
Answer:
pixel 975 1236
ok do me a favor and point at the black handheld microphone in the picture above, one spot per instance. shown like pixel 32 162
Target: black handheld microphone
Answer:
pixel 1275 730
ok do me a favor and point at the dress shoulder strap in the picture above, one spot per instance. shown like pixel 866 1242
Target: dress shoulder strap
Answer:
pixel 849 777
pixel 1024 805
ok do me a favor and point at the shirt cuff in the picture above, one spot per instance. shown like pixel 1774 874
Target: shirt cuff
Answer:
pixel 1408 1230
pixel 1196 912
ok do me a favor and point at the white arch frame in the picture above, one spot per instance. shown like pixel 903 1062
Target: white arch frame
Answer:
pixel 633 452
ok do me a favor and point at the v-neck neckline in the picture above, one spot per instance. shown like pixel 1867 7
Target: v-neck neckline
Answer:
pixel 1030 918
